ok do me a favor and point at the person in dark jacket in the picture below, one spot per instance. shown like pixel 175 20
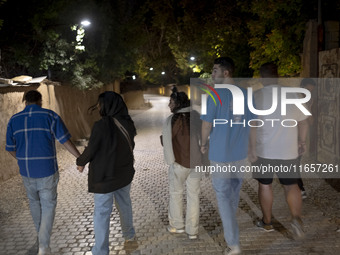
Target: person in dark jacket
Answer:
pixel 110 153
pixel 180 137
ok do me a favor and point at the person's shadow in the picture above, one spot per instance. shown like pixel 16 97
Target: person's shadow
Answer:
pixel 33 250
pixel 130 246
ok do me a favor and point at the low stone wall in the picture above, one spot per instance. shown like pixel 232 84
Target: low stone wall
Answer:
pixel 10 103
pixel 70 103
pixel 166 90
pixel 155 91
pixel 134 99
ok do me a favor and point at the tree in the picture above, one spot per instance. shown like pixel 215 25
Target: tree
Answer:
pixel 250 32
pixel 44 42
pixel 178 30
pixel 154 54
pixel 277 29
pixel 1 21
pixel 117 38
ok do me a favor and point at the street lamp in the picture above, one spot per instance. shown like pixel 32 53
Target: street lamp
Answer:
pixel 194 66
pixel 85 23
pixel 163 73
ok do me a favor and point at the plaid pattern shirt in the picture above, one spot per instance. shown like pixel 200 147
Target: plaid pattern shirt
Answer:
pixel 31 134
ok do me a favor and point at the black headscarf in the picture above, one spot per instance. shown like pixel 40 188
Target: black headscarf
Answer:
pixel 110 157
pixel 112 105
pixel 180 98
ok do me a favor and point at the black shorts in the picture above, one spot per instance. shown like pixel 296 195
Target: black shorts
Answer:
pixel 286 171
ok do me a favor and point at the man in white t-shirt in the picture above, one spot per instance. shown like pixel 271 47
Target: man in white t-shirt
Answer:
pixel 278 147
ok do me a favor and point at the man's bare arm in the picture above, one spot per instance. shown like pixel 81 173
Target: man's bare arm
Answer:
pixel 71 148
pixel 206 129
pixel 252 157
pixel 302 135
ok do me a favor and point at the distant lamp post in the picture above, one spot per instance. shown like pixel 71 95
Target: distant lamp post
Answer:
pixel 163 73
pixel 194 66
pixel 151 68
pixel 134 77
pixel 80 34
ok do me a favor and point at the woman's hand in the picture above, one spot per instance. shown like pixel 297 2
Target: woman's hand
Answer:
pixel 80 168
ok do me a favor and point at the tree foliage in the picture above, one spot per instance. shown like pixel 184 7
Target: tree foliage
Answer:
pixel 251 32
pixel 128 37
pixel 1 21
pixel 178 30
pixel 276 34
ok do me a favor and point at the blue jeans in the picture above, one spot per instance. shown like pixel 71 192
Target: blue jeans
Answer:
pixel 178 177
pixel 42 195
pixel 227 187
pixel 102 210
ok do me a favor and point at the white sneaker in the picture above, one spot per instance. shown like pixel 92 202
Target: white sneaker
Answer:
pixel 175 230
pixel 192 237
pixel 232 250
pixel 44 251
pixel 297 226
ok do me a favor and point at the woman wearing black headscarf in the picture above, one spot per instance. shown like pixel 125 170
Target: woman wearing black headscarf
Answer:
pixel 110 153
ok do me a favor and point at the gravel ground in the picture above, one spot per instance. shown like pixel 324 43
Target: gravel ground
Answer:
pixel 324 193
pixel 13 196
pixel 12 192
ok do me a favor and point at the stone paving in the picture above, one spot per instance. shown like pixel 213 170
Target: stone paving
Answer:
pixel 73 227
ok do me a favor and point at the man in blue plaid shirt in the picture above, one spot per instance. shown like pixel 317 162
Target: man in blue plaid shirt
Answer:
pixel 30 139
